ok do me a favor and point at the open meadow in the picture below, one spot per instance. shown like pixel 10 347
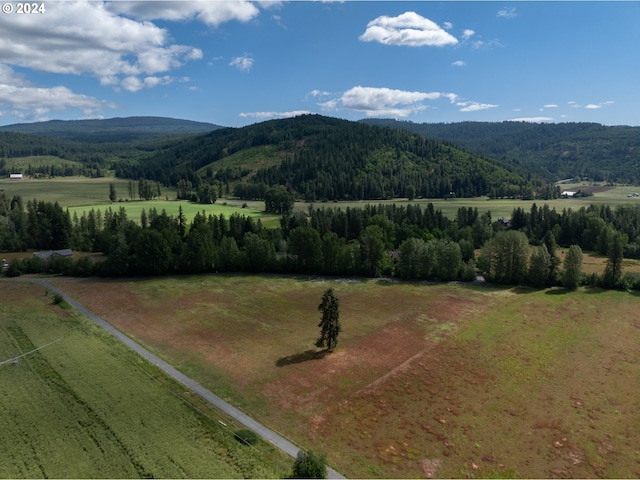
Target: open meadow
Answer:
pixel 428 380
pixel 87 407
pixel 81 194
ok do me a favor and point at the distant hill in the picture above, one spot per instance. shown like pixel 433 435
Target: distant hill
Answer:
pixel 554 151
pixel 324 158
pixel 112 129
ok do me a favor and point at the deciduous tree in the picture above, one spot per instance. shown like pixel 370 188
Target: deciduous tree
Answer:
pixel 572 268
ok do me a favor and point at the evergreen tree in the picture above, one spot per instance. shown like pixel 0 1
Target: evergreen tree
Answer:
pixel 330 323
pixel 112 192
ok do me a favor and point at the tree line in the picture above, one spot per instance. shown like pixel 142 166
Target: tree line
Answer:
pixel 408 241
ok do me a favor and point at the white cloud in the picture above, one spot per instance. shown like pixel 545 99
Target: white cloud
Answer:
pixel 243 63
pixel 372 101
pixel 532 119
pixel 268 115
pixel 458 63
pixel 474 106
pixel 87 38
pixel 468 34
pixel 319 93
pixel 408 29
pixel 590 106
pixel 509 12
pixel 447 25
pixel 29 102
pixel 550 105
pixel 212 13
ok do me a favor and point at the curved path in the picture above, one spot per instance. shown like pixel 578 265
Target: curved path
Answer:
pixel 266 433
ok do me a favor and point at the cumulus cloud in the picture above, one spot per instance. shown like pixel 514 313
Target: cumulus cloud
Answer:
pixel 468 33
pixel 269 115
pixel 408 29
pixel 372 101
pixel 87 38
pixel 550 105
pixel 458 63
pixel 29 102
pixel 243 63
pixel 212 13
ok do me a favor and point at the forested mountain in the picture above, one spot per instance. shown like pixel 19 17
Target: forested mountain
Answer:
pixel 555 151
pixel 112 129
pixel 97 144
pixel 323 158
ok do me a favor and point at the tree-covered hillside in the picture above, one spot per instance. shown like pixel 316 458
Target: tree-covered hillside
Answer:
pixel 322 158
pixel 555 151
pixel 112 129
pixel 98 145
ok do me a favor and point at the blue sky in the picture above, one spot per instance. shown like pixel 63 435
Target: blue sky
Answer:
pixel 233 63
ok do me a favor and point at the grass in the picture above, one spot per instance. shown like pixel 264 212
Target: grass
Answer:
pixel 134 209
pixel 86 407
pixel 67 191
pixel 469 381
pixel 74 192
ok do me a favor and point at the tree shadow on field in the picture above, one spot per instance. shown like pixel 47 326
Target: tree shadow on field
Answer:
pixel 301 357
pixel 558 291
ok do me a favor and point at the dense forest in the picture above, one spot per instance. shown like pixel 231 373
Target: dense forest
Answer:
pixel 322 158
pixel 96 145
pixel 556 151
pixel 409 242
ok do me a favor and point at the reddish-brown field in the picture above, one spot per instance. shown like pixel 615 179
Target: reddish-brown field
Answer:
pixel 427 380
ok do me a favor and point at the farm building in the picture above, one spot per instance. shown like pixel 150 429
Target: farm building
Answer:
pixel 15 176
pixel 568 193
pixel 49 254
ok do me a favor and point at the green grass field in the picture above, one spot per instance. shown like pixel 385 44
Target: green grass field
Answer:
pixel 67 191
pixel 134 209
pixel 87 407
pixel 77 192
pixel 447 381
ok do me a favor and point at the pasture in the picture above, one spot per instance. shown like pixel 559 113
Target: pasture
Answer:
pixel 615 195
pixel 67 191
pixel 172 207
pixel 87 407
pixel 428 380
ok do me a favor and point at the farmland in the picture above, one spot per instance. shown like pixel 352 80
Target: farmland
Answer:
pixel 81 194
pixel 427 380
pixel 86 407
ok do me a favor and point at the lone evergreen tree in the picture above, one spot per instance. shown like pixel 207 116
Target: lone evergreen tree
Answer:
pixel 330 322
pixel 112 192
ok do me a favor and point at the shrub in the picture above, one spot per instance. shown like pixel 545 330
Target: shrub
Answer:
pixel 14 269
pixel 57 299
pixel 247 437
pixel 309 465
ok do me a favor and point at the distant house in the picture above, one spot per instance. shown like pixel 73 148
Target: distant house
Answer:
pixel 49 254
pixel 567 194
pixel 15 176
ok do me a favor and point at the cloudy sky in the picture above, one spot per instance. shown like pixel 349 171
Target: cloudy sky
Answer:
pixel 234 63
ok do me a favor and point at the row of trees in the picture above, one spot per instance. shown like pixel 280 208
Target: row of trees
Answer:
pixel 405 241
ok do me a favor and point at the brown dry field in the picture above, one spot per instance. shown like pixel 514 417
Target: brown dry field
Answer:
pixel 428 381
